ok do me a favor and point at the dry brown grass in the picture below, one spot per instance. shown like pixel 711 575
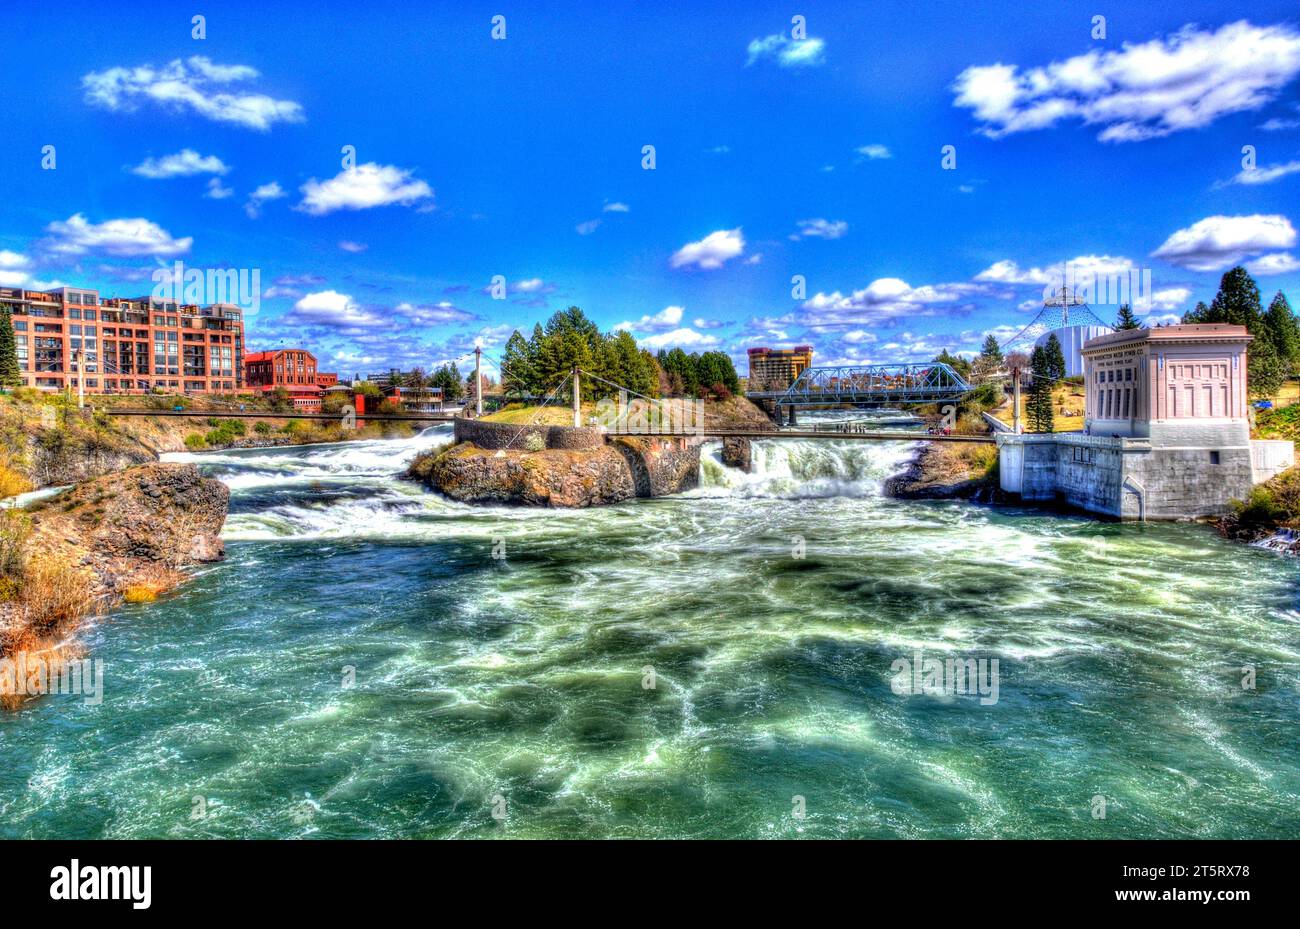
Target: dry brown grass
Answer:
pixel 147 585
pixel 21 645
pixel 55 592
pixel 980 459
pixel 12 483
pixel 15 530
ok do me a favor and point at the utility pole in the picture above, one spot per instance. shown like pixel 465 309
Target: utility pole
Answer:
pixel 577 401
pixel 1015 401
pixel 478 381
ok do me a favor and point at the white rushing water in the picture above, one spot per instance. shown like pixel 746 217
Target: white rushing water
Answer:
pixel 352 489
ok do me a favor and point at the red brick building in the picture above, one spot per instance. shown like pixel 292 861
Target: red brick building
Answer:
pixel 294 369
pixel 125 345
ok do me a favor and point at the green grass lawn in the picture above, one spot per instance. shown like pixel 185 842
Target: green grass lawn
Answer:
pixel 1067 397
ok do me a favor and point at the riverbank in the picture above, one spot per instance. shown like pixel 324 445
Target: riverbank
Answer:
pixel 46 441
pixel 125 536
pixel 948 470
pixel 1270 514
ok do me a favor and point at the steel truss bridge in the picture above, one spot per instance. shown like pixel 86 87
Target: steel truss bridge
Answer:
pixel 888 384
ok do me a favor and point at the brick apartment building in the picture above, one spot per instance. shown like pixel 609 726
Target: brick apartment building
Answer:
pixel 294 369
pixel 777 368
pixel 125 345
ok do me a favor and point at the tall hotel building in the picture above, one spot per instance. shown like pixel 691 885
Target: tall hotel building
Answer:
pixel 777 368
pixel 125 346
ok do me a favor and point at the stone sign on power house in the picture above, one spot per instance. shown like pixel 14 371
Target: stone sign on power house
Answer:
pixel 1166 434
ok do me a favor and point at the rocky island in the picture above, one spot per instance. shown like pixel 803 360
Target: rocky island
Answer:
pixel 520 457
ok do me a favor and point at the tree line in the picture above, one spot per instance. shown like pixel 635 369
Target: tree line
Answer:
pixel 543 363
pixel 1274 354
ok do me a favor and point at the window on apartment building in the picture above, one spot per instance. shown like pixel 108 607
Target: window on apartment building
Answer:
pixel 1214 457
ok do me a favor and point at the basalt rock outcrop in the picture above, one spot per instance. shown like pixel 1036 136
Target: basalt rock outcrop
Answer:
pixel 737 452
pixel 145 521
pixel 939 472
pixel 622 468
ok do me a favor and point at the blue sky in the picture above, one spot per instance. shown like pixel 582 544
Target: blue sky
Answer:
pixel 777 153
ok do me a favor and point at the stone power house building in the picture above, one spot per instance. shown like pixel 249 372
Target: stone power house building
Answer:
pixel 1166 430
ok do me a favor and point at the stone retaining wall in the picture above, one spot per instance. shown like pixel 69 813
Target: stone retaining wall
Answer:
pixel 492 435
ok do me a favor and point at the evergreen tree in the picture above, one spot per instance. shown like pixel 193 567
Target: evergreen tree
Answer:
pixel 1265 371
pixel 1038 405
pixel 1126 319
pixel 989 360
pixel 956 362
pixel 1198 314
pixel 10 373
pixel 517 375
pixel 1279 323
pixel 1237 302
pixel 448 378
pixel 1054 359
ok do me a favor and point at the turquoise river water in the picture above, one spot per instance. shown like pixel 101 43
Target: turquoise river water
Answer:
pixel 510 696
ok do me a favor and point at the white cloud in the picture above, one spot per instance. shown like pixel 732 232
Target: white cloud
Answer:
pixel 185 163
pixel 667 319
pixel 884 299
pixel 678 338
pixel 216 191
pixel 329 308
pixel 437 314
pixel 1264 174
pixel 263 194
pixel 1218 242
pixel 11 261
pixel 1279 124
pixel 123 238
pixel 712 251
pixel 874 152
pixel 616 207
pixel 194 85
pixel 787 52
pixel 1184 81
pixel 360 188
pixel 1171 298
pixel 356 248
pixel 1077 271
pixel 821 229
pixel 1276 263
pixel 588 227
